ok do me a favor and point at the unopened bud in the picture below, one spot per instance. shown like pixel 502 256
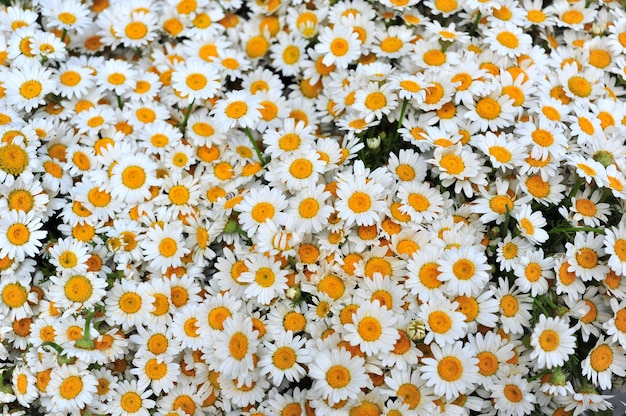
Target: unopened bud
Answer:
pixel 293 293
pixel 416 330
pixel 373 143
pixel 231 226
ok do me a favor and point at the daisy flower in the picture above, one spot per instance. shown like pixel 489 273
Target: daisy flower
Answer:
pixel 158 373
pixel 586 207
pixel 615 327
pixel 360 202
pixel 508 40
pixel 195 79
pixel 529 224
pixel 582 85
pixel 296 171
pixel 66 15
pixel 70 389
pixel 493 112
pixel 237 108
pixel 308 210
pixel 338 375
pixel 131 178
pixel 443 322
pixel 459 166
pixel 130 400
pixel 127 303
pixel 372 329
pixel 515 307
pixel 374 101
pixel 419 200
pixel 464 271
pixel 285 358
pixel 604 360
pixel 235 347
pixel 553 341
pixel 615 247
pixel 266 279
pixel 23 382
pixel 185 327
pixel 117 76
pixel 452 370
pixel 20 235
pixel 136 29
pixel 26 88
pixel 512 395
pixel 584 256
pixel 492 352
pixel 533 271
pixel 74 291
pixel 288 53
pixel 423 274
pixel 339 45
pixel 259 206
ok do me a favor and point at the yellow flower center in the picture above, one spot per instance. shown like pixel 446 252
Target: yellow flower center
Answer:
pixel 369 329
pixel 508 39
pixel 338 376
pixel 488 108
pixel 136 30
pixel 196 81
pixel 509 305
pixel 579 86
pixel 339 47
pixel 410 395
pixel 130 302
pixel 513 393
pixel 78 289
pixel 549 340
pixel 71 387
pixel 428 275
pixel 133 177
pixel 450 369
pixel 265 277
pixel 13 159
pixel 301 168
pixel 587 258
pixel 238 346
pixel 463 269
pixel 439 322
pixel 487 363
pixel 333 286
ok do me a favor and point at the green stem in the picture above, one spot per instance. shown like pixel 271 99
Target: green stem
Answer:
pixel 400 119
pixel 576 229
pixel 187 114
pixel 63 35
pixel 505 228
pixel 476 21
pixel 576 187
pixel 256 147
pixel 54 345
pixel 119 102
pixel 539 375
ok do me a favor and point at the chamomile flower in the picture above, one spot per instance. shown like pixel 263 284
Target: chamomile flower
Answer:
pixel 338 375
pixel 117 76
pixel 26 88
pixel 508 40
pixel 296 171
pixel 443 323
pixel 131 400
pixel 533 271
pixel 492 112
pixel 512 395
pixel 553 341
pixel 128 303
pixel 20 235
pixel 70 389
pixel 285 358
pixel 185 328
pixel 266 279
pixel 452 370
pixel 235 347
pixel 73 291
pixel 339 45
pixel 615 247
pixel 308 210
pixel 163 246
pixel 584 256
pixel 66 15
pixel 423 274
pixel 158 373
pixel 131 178
pixel 515 307
pixel 604 360
pixel 196 79
pixel 492 352
pixel 136 29
pixel 372 329
pixel 237 108
pixel 581 85
pixel 464 270
pixel 530 224
pixel 360 202
pixel 23 382
pixel 419 200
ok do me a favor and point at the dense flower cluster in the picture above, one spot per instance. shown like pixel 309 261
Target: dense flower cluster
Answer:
pixel 200 212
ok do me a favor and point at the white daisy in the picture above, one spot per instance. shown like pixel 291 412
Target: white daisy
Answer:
pixel 285 358
pixel 339 45
pixel 20 235
pixel 444 324
pixel 266 279
pixel 553 341
pixel 234 347
pixel 337 375
pixel 372 329
pixel 604 360
pixel 452 370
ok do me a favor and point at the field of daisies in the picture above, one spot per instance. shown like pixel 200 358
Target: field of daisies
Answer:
pixel 322 207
